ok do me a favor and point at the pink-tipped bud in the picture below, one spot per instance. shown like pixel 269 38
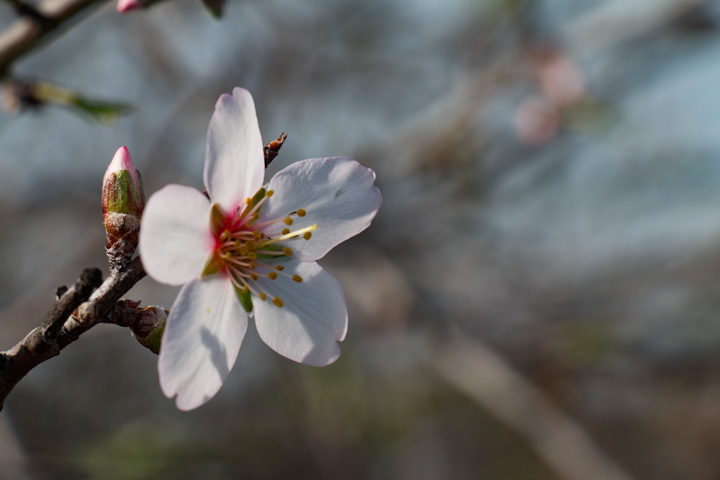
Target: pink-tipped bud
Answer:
pixel 124 6
pixel 123 199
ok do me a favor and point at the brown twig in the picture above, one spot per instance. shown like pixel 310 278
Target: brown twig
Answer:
pixel 29 31
pixel 61 326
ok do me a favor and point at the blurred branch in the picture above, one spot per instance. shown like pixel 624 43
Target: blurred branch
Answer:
pixel 27 10
pixel 29 31
pixel 489 381
pixel 612 22
pixel 32 94
pixel 76 311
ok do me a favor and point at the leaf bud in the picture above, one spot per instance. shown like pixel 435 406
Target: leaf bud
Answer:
pixel 149 326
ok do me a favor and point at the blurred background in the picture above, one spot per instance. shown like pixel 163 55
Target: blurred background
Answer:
pixel 538 297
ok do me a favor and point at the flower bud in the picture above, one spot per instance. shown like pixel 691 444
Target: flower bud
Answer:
pixel 149 326
pixel 123 199
pixel 124 6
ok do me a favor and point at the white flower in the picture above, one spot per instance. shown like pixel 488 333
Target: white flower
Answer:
pixel 250 248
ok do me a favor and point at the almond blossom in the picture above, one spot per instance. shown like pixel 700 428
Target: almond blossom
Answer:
pixel 249 251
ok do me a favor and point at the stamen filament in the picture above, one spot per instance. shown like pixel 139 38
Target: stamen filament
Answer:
pixel 251 213
pixel 288 235
pixel 239 241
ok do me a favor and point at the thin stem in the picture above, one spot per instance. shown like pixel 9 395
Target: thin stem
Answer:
pixel 34 28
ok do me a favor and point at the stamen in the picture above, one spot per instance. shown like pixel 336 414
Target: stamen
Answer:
pixel 239 212
pixel 268 222
pixel 239 274
pixel 239 263
pixel 240 240
pixel 269 252
pixel 288 235
pixel 252 214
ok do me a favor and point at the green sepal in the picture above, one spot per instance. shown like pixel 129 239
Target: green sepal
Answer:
pixel 245 299
pixel 256 198
pixel 122 196
pixel 152 342
pixel 212 267
pixel 217 217
pixel 273 248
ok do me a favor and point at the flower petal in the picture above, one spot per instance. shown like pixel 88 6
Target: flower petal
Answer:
pixel 338 195
pixel 234 160
pixel 313 318
pixel 201 341
pixel 175 238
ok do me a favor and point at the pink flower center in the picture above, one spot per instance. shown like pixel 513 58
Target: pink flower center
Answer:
pixel 243 246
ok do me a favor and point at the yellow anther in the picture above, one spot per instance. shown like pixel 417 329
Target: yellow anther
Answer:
pixel 301 212
pixel 297 278
pixel 262 296
pixel 287 251
pixel 307 235
pixel 252 255
pixel 288 221
pixel 285 231
pixel 246 289
pixel 253 276
pixel 244 250
pixel 280 267
pixel 272 275
pixel 269 193
pixel 247 200
pixel 278 302
pixel 251 265
pixel 256 216
pixel 256 234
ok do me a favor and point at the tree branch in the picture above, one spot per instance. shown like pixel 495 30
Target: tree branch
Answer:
pixel 490 382
pixel 29 31
pixel 61 326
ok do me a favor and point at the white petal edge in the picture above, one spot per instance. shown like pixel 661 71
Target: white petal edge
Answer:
pixel 175 238
pixel 234 159
pixel 311 322
pixel 202 338
pixel 338 195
